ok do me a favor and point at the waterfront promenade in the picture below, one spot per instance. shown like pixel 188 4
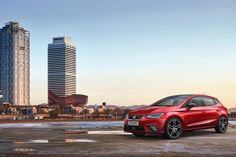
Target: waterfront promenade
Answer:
pixel 106 138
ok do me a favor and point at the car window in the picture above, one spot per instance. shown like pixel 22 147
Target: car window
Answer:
pixel 216 101
pixel 208 101
pixel 195 100
pixel 170 101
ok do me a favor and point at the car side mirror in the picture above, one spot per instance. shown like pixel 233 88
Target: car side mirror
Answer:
pixel 190 105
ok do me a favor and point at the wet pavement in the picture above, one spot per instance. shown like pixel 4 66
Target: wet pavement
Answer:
pixel 110 141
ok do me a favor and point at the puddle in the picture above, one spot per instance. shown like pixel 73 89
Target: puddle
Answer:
pixel 38 141
pixel 31 141
pixel 75 132
pixel 21 133
pixel 79 140
pixel 23 150
pixel 109 132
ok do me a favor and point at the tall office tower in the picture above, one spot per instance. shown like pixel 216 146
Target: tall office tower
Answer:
pixel 14 64
pixel 61 67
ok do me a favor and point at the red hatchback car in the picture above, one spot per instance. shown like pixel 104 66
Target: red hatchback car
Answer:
pixel 174 114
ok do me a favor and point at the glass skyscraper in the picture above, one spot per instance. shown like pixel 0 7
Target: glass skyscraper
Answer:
pixel 14 64
pixel 61 67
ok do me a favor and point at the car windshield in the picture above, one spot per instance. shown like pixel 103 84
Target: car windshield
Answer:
pixel 170 101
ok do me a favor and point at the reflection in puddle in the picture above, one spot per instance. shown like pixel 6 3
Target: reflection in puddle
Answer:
pixel 31 141
pixel 78 140
pixel 109 132
pixel 75 132
pixel 38 141
pixel 20 142
pixel 21 133
pixel 23 150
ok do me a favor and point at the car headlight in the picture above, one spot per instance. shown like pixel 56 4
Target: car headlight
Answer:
pixel 154 116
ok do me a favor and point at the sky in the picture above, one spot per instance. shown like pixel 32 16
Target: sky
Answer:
pixel 132 52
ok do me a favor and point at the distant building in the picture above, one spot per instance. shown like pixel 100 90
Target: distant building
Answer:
pixel 101 108
pixel 14 65
pixel 62 74
pixel 90 110
pixel 76 100
pixel 62 67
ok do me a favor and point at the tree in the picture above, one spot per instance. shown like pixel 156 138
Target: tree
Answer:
pixel 125 112
pixel 96 113
pixel 107 112
pixel 54 113
pixel 73 112
pixel 85 112
pixel 116 112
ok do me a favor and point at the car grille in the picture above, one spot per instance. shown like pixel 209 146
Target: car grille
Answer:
pixel 134 128
pixel 135 117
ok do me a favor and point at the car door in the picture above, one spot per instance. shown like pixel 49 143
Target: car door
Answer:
pixel 194 117
pixel 211 111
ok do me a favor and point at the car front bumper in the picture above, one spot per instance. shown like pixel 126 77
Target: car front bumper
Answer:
pixel 146 126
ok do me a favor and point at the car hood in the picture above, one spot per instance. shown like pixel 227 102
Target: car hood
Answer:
pixel 151 109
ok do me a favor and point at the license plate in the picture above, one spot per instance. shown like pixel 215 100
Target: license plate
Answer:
pixel 133 123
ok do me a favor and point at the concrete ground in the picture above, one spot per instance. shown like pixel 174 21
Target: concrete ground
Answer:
pixel 17 142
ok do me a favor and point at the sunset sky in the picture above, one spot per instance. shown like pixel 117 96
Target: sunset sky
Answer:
pixel 134 51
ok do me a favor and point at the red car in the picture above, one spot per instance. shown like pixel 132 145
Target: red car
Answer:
pixel 174 114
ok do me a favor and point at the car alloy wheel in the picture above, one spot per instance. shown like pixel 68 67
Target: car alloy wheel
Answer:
pixel 222 125
pixel 173 128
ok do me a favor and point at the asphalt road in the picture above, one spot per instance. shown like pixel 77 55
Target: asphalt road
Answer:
pixel 17 142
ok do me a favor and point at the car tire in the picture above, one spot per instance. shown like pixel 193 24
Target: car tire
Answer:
pixel 139 134
pixel 173 128
pixel 222 125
